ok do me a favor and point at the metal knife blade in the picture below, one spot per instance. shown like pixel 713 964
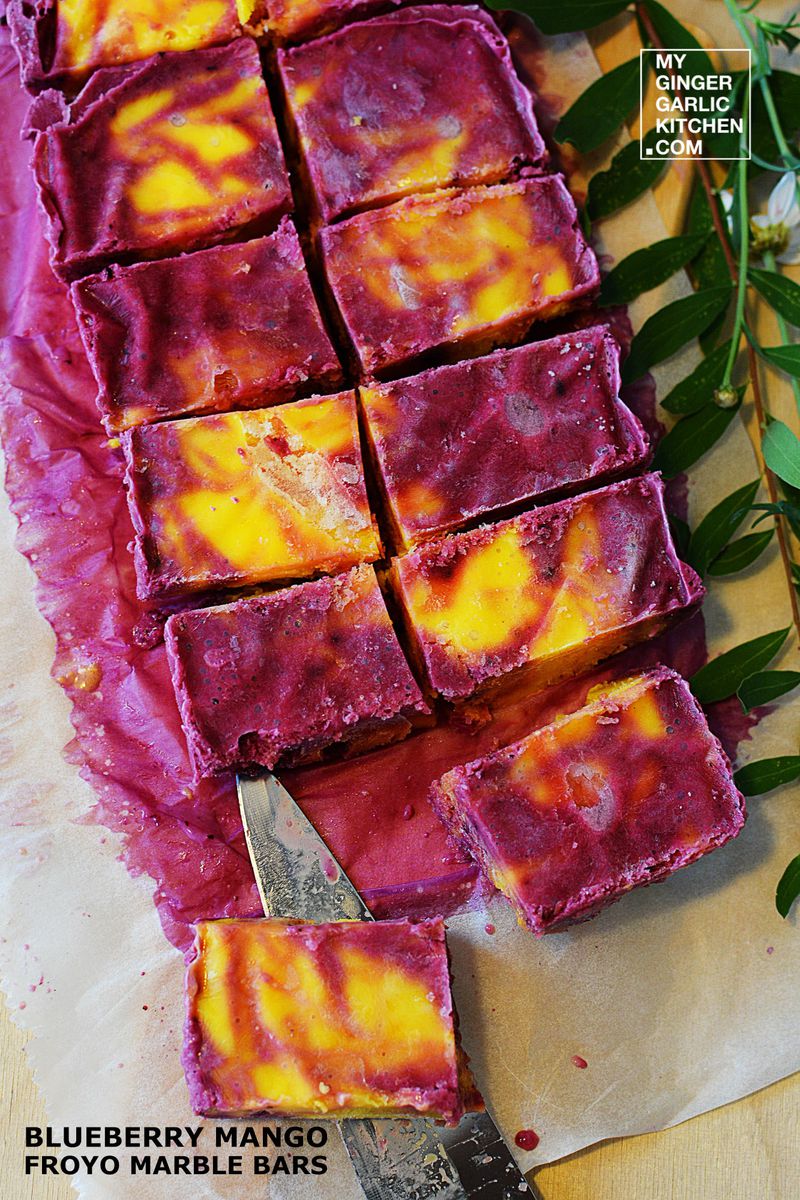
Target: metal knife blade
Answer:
pixel 297 876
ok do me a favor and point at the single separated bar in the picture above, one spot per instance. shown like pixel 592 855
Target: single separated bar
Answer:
pixel 466 440
pixel 617 795
pixel 176 153
pixel 550 592
pixel 346 1019
pixel 281 677
pixel 470 269
pixel 252 497
pixel 63 40
pixel 230 327
pixel 377 118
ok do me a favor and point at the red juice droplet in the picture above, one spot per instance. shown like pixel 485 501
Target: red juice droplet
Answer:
pixel 579 1062
pixel 527 1139
pixel 408 812
pixel 490 928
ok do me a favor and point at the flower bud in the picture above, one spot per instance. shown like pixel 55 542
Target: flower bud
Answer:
pixel 726 397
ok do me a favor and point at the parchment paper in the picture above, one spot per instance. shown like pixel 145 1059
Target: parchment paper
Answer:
pixel 681 998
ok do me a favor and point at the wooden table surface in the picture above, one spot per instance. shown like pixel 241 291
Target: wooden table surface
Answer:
pixel 748 1150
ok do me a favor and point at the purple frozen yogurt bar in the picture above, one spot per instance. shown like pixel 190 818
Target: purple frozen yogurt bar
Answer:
pixel 617 795
pixel 469 439
pixel 280 677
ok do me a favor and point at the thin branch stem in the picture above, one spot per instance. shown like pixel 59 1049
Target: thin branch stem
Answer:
pixel 741 282
pixel 783 328
pixel 721 230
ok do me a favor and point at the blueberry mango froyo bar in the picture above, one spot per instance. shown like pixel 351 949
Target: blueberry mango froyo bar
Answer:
pixel 299 20
pixel 249 497
pixel 466 269
pixel 172 154
pixel 549 593
pixel 280 677
pixel 235 326
pixel 468 439
pixel 366 138
pixel 65 39
pixel 348 1019
pixel 614 796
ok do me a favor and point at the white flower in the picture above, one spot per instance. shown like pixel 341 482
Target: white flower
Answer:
pixel 779 229
pixel 726 196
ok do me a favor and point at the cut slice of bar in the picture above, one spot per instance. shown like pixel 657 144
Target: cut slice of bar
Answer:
pixel 615 796
pixel 473 437
pixel 223 328
pixel 472 268
pixel 280 677
pixel 65 39
pixel 223 501
pixel 550 592
pixel 177 153
pixel 377 118
pixel 348 1019
pixel 299 20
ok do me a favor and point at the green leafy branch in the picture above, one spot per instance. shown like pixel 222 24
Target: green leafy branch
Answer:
pixel 728 251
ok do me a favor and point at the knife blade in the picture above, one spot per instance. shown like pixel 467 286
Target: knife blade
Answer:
pixel 394 1159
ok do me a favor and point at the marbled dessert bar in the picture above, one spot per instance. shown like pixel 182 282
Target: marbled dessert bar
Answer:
pixel 470 268
pixel 377 118
pixel 348 1019
pixel 251 497
pixel 230 327
pixel 280 677
pixel 174 154
pixel 550 592
pixel 299 20
pixel 615 796
pixel 65 39
pixel 470 438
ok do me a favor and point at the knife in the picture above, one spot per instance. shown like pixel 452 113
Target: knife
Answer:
pixel 394 1159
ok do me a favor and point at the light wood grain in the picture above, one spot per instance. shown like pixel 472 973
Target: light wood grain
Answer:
pixel 749 1149
pixel 22 1105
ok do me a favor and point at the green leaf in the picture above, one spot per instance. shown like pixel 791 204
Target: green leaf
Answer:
pixel 599 111
pixel 725 674
pixel 566 16
pixel 755 778
pixel 784 87
pixel 697 389
pixel 670 329
pixel 710 268
pixel 691 438
pixel 672 34
pixel 781 449
pixel 741 553
pixel 628 176
pixel 709 337
pixel 646 269
pixel 780 293
pixel 765 686
pixel 788 888
pixel 719 525
pixel 785 358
